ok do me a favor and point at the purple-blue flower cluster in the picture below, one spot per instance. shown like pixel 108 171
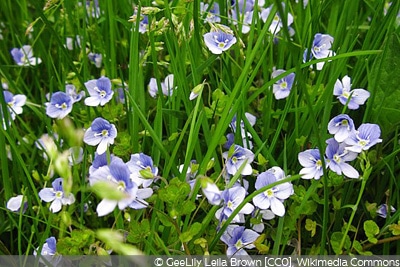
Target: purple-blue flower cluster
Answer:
pixel 344 147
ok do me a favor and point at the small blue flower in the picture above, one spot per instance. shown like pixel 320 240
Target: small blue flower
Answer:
pixel 16 203
pixel 56 196
pixel 96 59
pixel 144 24
pixel 49 248
pixel 341 126
pixel 212 14
pixel 24 56
pixel 143 172
pixel 100 92
pixel 232 198
pixel 239 238
pixel 101 133
pixel 321 48
pixel 272 198
pixel 48 254
pixel 282 87
pixel 70 89
pixel 219 41
pixel 211 191
pixel 167 87
pixel 14 104
pixel 276 24
pixel 366 136
pixel 93 8
pixel 71 43
pixel 236 157
pixel 312 163
pixel 60 105
pixel 382 210
pixel 100 160
pixel 118 175
pixel 337 156
pixel 343 92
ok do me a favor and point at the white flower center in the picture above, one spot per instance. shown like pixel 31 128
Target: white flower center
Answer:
pixel 59 194
pixel 102 93
pixel 284 85
pixel 363 142
pixel 346 94
pixel 239 244
pixel 269 193
pixel 63 106
pixel 121 186
pixel 318 163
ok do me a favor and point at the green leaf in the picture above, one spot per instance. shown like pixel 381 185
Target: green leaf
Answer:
pixel 311 226
pixel 261 160
pixel 336 238
pixel 371 230
pixel 187 207
pixel 188 235
pixel 395 228
pixel 358 247
pixel 138 231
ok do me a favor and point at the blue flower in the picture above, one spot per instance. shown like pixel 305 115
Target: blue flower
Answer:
pixel 282 87
pixel 60 105
pixel 101 133
pixel 96 59
pixel 341 126
pixel 100 160
pixel 71 43
pixel 212 14
pixel 219 41
pixel 71 91
pixel 49 248
pixel 167 87
pixel 56 196
pixel 143 172
pixel 276 24
pixel 117 175
pixel 236 157
pixel 312 163
pixel 272 198
pixel 24 56
pixel 244 133
pixel 232 198
pixel 343 92
pixel 14 105
pixel 321 48
pixel 238 238
pixel 100 92
pixel 366 136
pixel 48 254
pixel 383 210
pixel 93 8
pixel 337 156
pixel 16 203
pixel 211 191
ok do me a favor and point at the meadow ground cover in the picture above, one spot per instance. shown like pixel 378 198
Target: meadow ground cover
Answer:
pixel 188 127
